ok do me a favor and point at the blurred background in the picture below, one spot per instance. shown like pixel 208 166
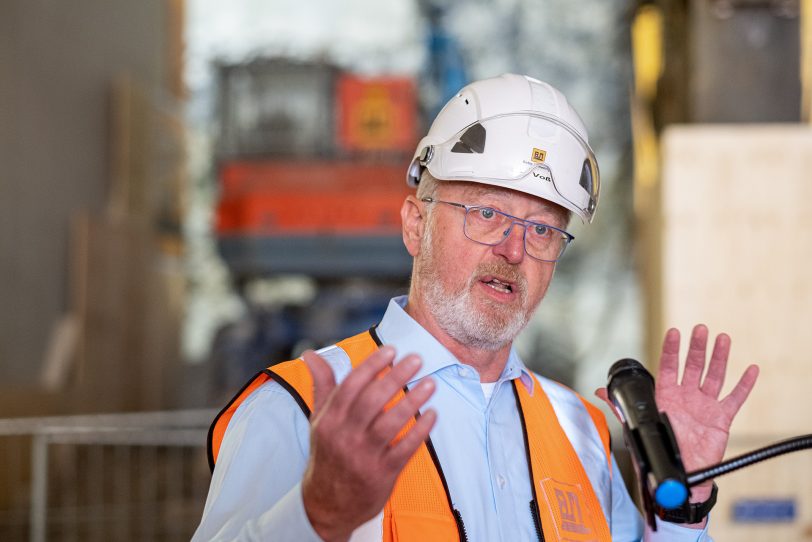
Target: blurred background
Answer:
pixel 192 190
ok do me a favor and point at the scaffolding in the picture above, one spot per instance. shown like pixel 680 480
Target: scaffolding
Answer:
pixel 104 477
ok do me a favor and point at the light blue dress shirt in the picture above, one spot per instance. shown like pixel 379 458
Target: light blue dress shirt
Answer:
pixel 255 492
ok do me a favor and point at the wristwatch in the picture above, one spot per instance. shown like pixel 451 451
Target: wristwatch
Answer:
pixel 689 512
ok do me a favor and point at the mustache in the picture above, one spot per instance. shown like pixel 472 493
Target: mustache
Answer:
pixel 503 270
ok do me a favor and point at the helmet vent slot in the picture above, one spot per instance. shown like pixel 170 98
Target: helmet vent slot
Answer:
pixel 586 177
pixel 471 141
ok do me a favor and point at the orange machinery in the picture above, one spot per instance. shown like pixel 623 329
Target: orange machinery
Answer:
pixel 312 168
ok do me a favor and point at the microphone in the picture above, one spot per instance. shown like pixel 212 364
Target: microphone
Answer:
pixel 648 436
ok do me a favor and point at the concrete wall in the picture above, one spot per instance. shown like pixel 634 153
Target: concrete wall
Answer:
pixel 57 61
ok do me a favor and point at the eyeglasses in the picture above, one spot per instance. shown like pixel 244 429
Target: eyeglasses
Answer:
pixel 488 226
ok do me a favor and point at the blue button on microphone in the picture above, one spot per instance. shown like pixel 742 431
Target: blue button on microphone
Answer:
pixel 671 494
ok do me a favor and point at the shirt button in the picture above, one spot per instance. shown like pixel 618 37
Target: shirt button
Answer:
pixel 501 481
pixel 462 371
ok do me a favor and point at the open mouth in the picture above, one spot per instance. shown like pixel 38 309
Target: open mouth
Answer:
pixel 498 285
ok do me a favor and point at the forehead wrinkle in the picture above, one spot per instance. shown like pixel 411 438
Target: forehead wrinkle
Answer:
pixel 478 190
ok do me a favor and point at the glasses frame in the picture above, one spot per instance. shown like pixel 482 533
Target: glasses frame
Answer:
pixel 568 237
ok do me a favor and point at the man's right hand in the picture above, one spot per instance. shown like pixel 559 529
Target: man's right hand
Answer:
pixel 354 458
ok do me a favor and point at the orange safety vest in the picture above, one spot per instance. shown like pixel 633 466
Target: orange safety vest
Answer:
pixel 564 506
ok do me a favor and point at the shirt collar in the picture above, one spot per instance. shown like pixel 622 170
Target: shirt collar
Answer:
pixel 399 329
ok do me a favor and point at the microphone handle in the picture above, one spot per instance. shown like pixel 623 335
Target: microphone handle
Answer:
pixel 667 481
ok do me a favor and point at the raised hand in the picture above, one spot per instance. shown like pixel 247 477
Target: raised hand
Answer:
pixel 701 421
pixel 354 455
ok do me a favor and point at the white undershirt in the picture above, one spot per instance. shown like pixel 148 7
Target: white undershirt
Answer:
pixel 487 390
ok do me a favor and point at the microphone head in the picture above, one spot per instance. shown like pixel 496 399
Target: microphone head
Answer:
pixel 627 365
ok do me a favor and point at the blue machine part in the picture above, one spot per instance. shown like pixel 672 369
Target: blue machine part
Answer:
pixel 446 68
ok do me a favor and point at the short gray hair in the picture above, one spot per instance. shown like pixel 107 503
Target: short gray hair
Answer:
pixel 427 188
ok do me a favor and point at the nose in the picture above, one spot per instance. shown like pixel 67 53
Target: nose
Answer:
pixel 512 246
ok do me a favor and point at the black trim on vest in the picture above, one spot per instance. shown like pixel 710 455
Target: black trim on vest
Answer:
pixel 291 390
pixel 433 453
pixel 460 525
pixel 276 378
pixel 436 461
pixel 210 435
pixel 534 504
pixel 454 511
pixel 534 512
pixel 374 334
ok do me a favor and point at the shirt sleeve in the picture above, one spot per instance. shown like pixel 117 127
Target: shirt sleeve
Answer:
pixel 255 492
pixel 628 525
pixel 666 532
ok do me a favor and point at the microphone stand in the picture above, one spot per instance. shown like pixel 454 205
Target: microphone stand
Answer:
pixel 803 442
pixel 795 444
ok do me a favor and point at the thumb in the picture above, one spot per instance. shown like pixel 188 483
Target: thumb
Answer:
pixel 601 393
pixel 323 378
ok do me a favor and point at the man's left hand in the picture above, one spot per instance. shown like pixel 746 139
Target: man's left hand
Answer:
pixel 701 421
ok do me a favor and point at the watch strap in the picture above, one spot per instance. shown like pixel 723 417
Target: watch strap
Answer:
pixel 689 512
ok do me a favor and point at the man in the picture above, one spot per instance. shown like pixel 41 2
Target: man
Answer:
pixel 429 426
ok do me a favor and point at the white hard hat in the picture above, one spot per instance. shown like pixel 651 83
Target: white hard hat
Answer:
pixel 515 132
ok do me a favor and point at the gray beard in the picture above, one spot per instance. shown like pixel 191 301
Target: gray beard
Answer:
pixel 456 313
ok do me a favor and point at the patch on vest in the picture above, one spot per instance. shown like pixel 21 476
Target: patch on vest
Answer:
pixel 566 504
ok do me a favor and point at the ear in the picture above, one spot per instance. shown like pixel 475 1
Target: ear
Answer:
pixel 413 222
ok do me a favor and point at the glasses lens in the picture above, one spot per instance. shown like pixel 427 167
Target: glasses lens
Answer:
pixel 485 225
pixel 544 242
pixel 490 227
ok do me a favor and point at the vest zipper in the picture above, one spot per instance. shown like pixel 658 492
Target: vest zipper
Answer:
pixel 460 525
pixel 534 511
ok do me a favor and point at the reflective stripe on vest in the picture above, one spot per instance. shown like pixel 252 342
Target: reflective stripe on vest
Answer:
pixel 420 507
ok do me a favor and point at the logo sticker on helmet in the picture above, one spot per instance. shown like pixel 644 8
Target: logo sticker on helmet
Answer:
pixel 538 155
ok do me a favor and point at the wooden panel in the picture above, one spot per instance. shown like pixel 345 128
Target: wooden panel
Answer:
pixel 129 313
pixel 736 253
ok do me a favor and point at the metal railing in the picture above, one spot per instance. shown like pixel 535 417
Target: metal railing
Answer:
pixel 140 476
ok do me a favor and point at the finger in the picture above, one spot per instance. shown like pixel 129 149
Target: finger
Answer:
pixel 399 454
pixel 669 360
pixel 389 424
pixel 362 375
pixel 695 360
pixel 733 402
pixel 715 377
pixel 370 400
pixel 601 393
pixel 324 380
